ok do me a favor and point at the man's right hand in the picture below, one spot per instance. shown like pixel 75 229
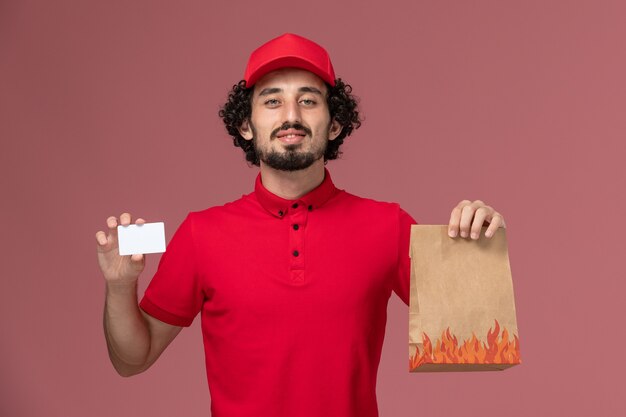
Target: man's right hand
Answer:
pixel 118 269
pixel 135 339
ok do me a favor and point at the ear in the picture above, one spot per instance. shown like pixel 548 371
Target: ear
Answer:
pixel 245 131
pixel 335 130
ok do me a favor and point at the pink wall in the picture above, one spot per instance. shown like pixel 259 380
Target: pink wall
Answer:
pixel 111 106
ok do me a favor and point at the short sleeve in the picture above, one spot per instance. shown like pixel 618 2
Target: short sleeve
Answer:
pixel 175 295
pixel 402 280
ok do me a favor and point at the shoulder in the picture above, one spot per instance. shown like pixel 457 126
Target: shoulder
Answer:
pixel 367 204
pixel 221 213
pixel 375 209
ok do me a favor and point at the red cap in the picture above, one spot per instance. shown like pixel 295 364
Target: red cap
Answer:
pixel 289 50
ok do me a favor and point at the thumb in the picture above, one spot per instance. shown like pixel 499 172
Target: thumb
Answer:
pixel 137 260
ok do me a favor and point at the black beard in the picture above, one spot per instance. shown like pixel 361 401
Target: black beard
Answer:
pixel 291 159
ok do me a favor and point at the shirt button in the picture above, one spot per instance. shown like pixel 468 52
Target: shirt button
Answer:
pixel 296 227
pixel 295 205
pixel 280 213
pixel 310 208
pixel 296 253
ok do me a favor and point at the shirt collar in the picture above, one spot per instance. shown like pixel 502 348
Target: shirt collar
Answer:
pixel 279 207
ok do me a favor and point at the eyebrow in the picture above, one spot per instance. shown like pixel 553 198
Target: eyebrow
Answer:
pixel 274 90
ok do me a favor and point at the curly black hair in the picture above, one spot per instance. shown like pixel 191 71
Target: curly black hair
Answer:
pixel 342 105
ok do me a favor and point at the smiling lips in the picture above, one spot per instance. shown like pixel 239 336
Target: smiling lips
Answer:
pixel 291 135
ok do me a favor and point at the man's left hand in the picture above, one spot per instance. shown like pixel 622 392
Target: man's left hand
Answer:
pixel 470 216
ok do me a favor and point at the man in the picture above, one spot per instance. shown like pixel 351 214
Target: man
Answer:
pixel 292 281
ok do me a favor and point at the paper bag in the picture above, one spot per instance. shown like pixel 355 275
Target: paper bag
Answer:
pixel 461 309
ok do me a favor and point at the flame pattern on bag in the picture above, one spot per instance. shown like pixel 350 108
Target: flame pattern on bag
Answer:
pixel 497 350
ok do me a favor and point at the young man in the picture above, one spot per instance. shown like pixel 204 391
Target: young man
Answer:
pixel 292 280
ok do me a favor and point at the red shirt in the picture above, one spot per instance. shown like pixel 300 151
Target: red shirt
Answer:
pixel 293 298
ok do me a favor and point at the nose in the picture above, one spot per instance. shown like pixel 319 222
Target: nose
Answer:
pixel 291 111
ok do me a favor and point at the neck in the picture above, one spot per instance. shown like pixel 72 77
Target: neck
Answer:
pixel 292 185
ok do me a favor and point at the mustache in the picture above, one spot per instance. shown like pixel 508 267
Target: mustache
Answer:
pixel 287 126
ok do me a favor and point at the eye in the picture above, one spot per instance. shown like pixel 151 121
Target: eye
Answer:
pixel 308 102
pixel 271 102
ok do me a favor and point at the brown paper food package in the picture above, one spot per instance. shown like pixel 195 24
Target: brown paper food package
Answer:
pixel 462 308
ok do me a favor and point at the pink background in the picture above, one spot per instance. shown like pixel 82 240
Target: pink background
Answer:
pixel 111 106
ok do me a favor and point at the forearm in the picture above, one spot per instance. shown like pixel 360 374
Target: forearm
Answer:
pixel 125 329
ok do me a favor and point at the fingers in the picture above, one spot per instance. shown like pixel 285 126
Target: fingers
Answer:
pixel 101 238
pixel 455 218
pixel 111 239
pixel 125 219
pixel 105 240
pixel 497 221
pixel 480 215
pixel 137 260
pixel 468 219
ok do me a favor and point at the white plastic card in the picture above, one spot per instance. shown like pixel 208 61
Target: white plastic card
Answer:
pixel 141 238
